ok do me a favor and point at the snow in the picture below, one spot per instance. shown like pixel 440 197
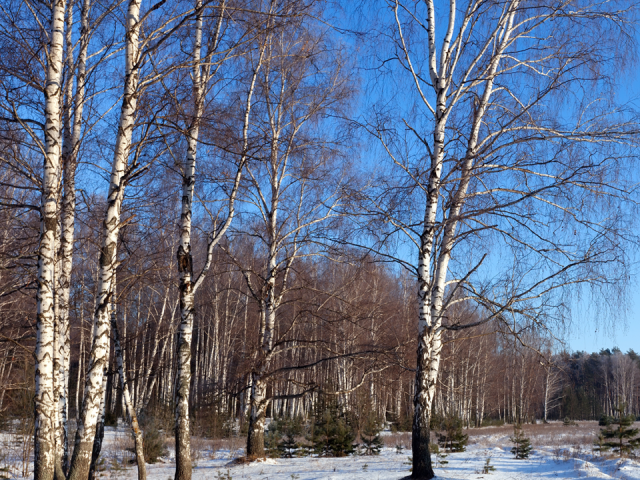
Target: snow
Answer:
pixel 390 465
pixel 559 455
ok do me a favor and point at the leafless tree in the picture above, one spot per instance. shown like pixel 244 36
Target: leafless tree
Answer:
pixel 292 190
pixel 489 181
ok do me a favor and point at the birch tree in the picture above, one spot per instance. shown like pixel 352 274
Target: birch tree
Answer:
pixel 45 403
pixel 20 67
pixel 203 70
pixel 477 153
pixel 292 190
pixel 72 129
pixel 126 394
pixel 99 354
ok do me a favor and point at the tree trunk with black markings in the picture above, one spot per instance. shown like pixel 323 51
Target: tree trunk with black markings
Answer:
pixel 45 402
pixel 99 355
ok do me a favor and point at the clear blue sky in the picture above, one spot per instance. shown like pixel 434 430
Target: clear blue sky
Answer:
pixel 623 333
pixel 588 333
pixel 624 337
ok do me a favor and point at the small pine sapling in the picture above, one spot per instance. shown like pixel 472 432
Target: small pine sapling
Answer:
pixel 522 445
pixel 370 436
pixel 332 435
pixel 434 448
pixel 599 445
pixel 410 463
pixel 153 442
pixel 272 440
pixel 620 439
pixel 605 420
pixel 487 468
pixel 291 428
pixel 288 446
pixel 451 438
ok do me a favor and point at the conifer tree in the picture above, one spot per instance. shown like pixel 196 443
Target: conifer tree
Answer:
pixel 451 438
pixel 272 439
pixel 487 468
pixel 605 420
pixel 370 435
pixel 332 435
pixel 599 444
pixel 621 438
pixel 522 447
pixel 434 448
pixel 288 446
pixel 291 428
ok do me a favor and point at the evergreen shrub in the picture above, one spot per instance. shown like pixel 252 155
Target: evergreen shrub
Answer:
pixel 522 445
pixel 153 442
pixel 617 433
pixel 370 435
pixel 450 436
pixel 332 435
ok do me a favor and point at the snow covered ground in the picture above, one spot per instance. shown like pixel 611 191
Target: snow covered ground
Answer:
pixel 390 465
pixel 559 453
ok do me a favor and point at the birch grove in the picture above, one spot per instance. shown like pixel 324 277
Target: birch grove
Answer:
pixel 219 214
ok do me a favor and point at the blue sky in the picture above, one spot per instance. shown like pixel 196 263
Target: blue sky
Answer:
pixel 590 339
pixel 587 331
pixel 623 333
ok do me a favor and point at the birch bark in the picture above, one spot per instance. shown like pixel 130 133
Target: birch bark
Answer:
pixel 99 355
pixel 96 447
pixel 434 250
pixel 64 265
pixel 185 270
pixel 188 286
pixel 70 145
pixel 45 403
pixel 269 307
pixel 257 417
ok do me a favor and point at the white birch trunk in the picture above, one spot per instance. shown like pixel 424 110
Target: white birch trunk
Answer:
pixel 99 436
pixel 63 270
pixel 45 403
pixel 257 417
pixel 72 131
pixel 108 256
pixel 431 290
pixel 188 286
pixel 185 271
